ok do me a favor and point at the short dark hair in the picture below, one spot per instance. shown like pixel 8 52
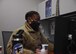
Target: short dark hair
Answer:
pixel 31 13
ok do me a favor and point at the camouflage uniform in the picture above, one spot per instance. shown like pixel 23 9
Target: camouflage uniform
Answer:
pixel 31 40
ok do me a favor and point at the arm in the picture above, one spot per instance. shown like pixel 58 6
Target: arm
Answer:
pixel 25 51
pixel 29 42
pixel 45 40
pixel 9 46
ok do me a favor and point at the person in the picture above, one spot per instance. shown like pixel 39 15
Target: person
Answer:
pixel 33 36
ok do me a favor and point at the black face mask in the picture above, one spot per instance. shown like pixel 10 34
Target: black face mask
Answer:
pixel 35 25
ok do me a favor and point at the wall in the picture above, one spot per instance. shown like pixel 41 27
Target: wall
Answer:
pixel 67 6
pixel 12 13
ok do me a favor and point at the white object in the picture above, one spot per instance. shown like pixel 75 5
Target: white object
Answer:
pixel 70 36
pixel 43 50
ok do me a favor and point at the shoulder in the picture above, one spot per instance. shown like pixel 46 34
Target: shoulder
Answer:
pixel 20 28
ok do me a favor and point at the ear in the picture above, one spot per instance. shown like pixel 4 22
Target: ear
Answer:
pixel 29 20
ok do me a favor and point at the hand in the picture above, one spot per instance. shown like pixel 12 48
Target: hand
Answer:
pixel 17 52
pixel 37 51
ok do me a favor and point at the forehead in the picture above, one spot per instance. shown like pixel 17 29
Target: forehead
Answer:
pixel 36 17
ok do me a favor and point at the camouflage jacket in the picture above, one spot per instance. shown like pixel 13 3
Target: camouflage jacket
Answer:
pixel 31 39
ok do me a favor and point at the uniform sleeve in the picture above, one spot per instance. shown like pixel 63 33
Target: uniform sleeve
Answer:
pixel 26 51
pixel 29 42
pixel 25 40
pixel 9 44
pixel 45 40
